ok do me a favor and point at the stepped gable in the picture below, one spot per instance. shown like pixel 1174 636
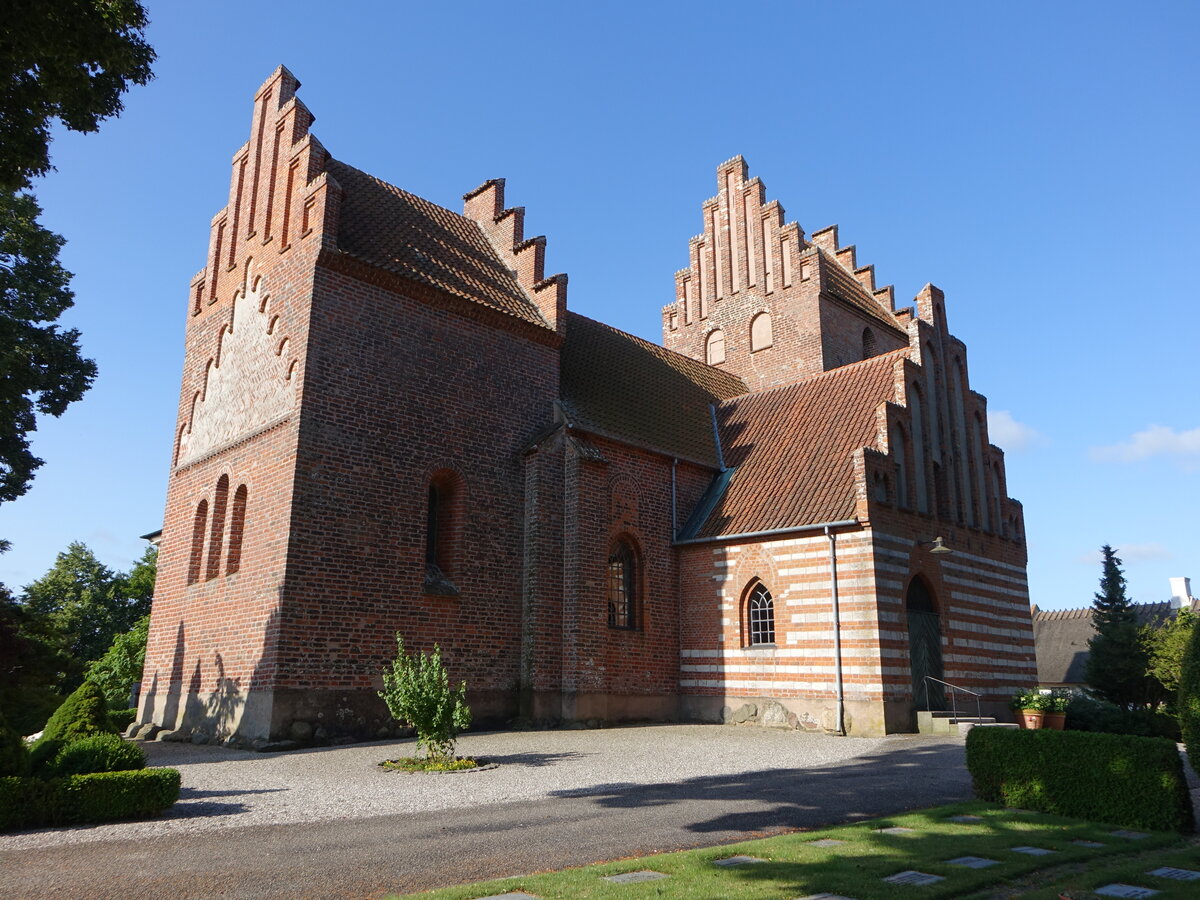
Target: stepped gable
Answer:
pixel 621 386
pixel 849 289
pixel 410 236
pixel 792 448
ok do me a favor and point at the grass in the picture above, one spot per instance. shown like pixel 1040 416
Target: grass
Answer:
pixel 430 764
pixel 796 868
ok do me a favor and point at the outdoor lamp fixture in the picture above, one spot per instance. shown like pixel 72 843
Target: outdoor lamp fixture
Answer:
pixel 937 545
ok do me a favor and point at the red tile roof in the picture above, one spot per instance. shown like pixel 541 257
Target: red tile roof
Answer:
pixel 846 287
pixel 406 234
pixel 647 395
pixel 792 447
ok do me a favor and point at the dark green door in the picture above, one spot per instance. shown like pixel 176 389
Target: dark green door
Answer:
pixel 924 647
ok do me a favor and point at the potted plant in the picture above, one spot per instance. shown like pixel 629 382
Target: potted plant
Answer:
pixel 1029 708
pixel 1055 710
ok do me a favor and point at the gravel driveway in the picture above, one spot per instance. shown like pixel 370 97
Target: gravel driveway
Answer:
pixel 225 789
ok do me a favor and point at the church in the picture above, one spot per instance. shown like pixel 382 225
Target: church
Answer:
pixel 390 420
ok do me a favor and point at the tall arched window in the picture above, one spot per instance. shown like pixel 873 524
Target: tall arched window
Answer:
pixel 961 439
pixel 237 525
pixel 217 530
pixel 622 586
pixel 443 527
pixel 199 526
pixel 715 348
pixel 760 616
pixel 917 410
pixel 761 333
pixel 985 518
pixel 869 347
pixel 900 455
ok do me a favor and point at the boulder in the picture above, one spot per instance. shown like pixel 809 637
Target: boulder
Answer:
pixel 745 713
pixel 200 737
pixel 178 736
pixel 774 715
pixel 147 732
pixel 301 730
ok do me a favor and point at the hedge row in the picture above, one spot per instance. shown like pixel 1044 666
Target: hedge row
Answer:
pixel 79 799
pixel 1136 782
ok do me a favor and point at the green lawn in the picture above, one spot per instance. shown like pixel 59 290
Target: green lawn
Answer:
pixel 796 868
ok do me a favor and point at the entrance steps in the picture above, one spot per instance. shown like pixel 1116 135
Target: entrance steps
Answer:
pixel 946 722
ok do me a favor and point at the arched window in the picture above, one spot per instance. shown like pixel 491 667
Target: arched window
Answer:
pixel 199 525
pixel 900 455
pixel 761 335
pixel 985 518
pixel 622 586
pixel 443 525
pixel 760 616
pixel 237 525
pixel 996 496
pixel 917 410
pixel 217 531
pixel 869 347
pixel 715 348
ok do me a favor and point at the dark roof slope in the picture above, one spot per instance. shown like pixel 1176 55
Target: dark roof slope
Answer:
pixel 849 289
pixel 406 234
pixel 792 447
pixel 633 390
pixel 1061 638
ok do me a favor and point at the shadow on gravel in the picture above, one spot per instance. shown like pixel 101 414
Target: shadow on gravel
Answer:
pixel 187 793
pixel 770 799
pixel 534 759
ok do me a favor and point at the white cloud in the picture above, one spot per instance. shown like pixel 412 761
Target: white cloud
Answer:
pixel 1156 440
pixel 1007 432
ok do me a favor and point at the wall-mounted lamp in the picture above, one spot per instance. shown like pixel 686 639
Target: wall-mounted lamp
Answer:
pixel 937 545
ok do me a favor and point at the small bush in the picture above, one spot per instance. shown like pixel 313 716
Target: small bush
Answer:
pixel 14 758
pixel 417 691
pixel 98 753
pixel 122 718
pixel 82 714
pixel 1131 781
pixel 42 754
pixel 1088 714
pixel 79 799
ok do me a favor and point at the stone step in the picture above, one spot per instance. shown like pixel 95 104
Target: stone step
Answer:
pixel 943 722
pixel 965 726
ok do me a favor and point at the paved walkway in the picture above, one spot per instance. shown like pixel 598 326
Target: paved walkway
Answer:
pixel 329 823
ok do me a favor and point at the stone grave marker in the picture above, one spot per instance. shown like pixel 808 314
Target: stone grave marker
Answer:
pixel 973 862
pixel 635 877
pixel 913 877
pixel 1176 874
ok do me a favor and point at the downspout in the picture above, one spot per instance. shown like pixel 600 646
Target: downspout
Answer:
pixel 837 633
pixel 674 512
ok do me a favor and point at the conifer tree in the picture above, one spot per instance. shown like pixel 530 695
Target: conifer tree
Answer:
pixel 1116 666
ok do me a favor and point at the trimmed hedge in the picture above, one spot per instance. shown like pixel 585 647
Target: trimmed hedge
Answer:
pixel 98 753
pixel 1136 782
pixel 80 799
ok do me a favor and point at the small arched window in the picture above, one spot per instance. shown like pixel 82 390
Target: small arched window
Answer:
pixel 199 525
pixel 715 348
pixel 760 616
pixel 622 586
pixel 443 524
pixel 761 334
pixel 217 530
pixel 869 347
pixel 237 526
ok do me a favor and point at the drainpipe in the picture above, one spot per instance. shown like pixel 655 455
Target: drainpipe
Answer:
pixel 837 632
pixel 674 512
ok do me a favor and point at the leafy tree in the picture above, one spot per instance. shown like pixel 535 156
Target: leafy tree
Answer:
pixel 417 691
pixel 120 668
pixel 33 666
pixel 1165 647
pixel 69 60
pixel 1116 666
pixel 85 602
pixel 1188 703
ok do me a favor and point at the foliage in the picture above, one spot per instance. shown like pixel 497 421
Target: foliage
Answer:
pixel 1089 714
pixel 14 758
pixel 69 60
pixel 1131 781
pixel 81 715
pixel 1165 647
pixel 429 764
pixel 120 668
pixel 41 370
pixel 122 718
pixel 76 799
pixel 1024 699
pixel 98 753
pixel 86 603
pixel 1188 705
pixel 417 691
pixel 1116 666
pixel 32 666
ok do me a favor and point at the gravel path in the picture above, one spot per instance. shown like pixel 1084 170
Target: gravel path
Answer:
pixel 228 789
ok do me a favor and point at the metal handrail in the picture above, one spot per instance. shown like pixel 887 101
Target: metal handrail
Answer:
pixel 954 688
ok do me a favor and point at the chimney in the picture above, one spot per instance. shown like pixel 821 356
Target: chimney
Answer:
pixel 1181 592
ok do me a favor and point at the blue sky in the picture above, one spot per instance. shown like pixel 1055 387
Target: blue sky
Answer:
pixel 1036 161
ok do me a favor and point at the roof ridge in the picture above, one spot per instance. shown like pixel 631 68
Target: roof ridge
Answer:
pixel 401 190
pixel 828 374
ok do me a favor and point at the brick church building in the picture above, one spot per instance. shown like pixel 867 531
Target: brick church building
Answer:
pixel 390 421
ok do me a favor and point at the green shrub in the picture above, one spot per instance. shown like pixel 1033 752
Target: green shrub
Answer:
pixel 42 754
pixel 122 718
pixel 83 713
pixel 14 758
pixel 1189 699
pixel 79 799
pixel 1088 714
pixel 1131 781
pixel 98 753
pixel 417 691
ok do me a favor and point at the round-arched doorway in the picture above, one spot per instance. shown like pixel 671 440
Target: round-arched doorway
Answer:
pixel 924 646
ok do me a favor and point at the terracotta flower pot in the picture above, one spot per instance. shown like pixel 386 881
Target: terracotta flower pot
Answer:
pixel 1032 718
pixel 1055 720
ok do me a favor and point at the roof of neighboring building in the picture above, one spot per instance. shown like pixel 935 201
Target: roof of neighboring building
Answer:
pixel 792 447
pixel 1061 639
pixel 849 289
pixel 406 234
pixel 633 390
